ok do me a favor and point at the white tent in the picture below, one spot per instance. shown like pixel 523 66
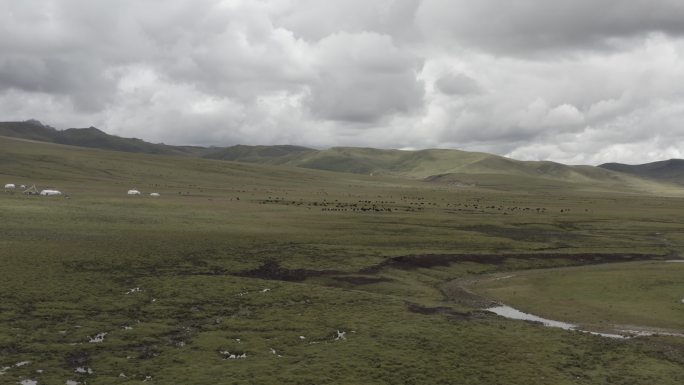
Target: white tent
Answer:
pixel 154 194
pixel 50 192
pixel 133 192
pixel 10 186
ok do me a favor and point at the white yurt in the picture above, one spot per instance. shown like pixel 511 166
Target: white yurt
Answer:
pixel 155 195
pixel 10 186
pixel 50 192
pixel 133 192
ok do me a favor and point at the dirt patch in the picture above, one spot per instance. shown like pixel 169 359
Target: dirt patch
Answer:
pixel 671 349
pixel 273 271
pixel 410 262
pixel 146 352
pixel 360 280
pixel 455 292
pixel 179 337
pixel 9 349
pixel 415 308
pixel 78 358
pixel 420 309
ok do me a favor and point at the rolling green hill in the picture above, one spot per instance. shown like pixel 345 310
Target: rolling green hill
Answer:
pixel 465 168
pixel 279 154
pixel 67 167
pixel 667 170
pixel 435 165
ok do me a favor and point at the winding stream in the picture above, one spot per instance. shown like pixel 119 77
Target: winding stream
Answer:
pixel 512 313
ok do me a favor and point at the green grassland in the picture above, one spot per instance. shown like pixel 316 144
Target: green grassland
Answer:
pixel 246 258
pixel 638 293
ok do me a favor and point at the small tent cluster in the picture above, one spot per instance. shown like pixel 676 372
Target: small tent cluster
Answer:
pixel 11 187
pixel 137 192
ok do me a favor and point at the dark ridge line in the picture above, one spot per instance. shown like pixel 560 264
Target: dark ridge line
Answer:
pixel 411 262
pixel 272 270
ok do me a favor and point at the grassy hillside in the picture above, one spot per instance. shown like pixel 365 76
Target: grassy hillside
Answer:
pixel 671 171
pixel 450 166
pixel 272 261
pixel 257 154
pixel 438 165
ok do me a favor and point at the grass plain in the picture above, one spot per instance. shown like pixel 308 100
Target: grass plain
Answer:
pixel 647 294
pixel 272 261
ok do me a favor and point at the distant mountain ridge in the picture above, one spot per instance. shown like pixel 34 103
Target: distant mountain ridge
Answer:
pixel 671 170
pixel 86 137
pixel 436 165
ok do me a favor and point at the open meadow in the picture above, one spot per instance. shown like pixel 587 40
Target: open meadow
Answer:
pixel 261 274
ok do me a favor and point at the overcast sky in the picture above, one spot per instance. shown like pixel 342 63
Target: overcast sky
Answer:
pixel 576 81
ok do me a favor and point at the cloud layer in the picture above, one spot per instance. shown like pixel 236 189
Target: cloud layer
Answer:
pixel 573 81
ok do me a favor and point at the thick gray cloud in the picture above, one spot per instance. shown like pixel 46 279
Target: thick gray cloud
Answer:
pixel 457 84
pixel 525 26
pixel 364 77
pixel 314 20
pixel 576 81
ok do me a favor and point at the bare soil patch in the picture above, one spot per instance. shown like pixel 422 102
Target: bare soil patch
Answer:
pixel 273 271
pixel 410 262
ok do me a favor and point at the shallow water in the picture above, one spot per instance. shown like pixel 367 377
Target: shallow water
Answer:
pixel 509 312
pixel 512 313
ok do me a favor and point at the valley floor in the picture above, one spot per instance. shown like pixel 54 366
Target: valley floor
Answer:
pixel 241 274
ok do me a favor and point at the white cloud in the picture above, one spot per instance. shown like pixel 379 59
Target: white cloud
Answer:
pixel 575 81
